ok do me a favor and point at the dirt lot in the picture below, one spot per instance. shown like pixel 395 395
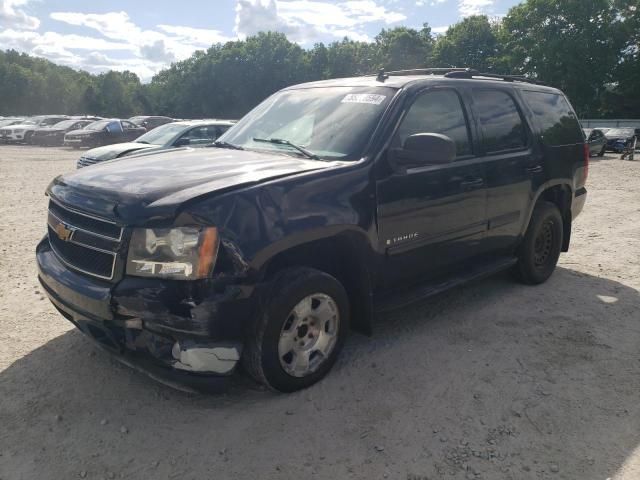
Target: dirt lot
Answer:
pixel 490 381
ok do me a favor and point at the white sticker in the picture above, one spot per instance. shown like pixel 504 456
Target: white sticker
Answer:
pixel 370 98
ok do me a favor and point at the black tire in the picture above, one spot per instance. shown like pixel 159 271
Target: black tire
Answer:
pixel 27 138
pixel 540 250
pixel 289 287
pixel 602 152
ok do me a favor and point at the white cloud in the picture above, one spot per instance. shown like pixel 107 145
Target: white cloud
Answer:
pixel 308 20
pixel 119 44
pixel 195 36
pixel 13 16
pixel 151 50
pixel 473 7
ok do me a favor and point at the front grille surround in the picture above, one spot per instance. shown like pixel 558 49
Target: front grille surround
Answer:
pixel 85 243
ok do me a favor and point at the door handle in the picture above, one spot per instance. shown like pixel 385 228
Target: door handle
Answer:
pixel 534 169
pixel 472 183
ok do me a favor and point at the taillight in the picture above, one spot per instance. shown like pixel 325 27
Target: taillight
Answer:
pixel 586 162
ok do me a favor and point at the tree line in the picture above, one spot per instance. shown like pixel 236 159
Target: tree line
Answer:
pixel 588 48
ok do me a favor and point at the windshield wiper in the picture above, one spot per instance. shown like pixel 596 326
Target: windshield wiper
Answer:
pixel 282 141
pixel 223 144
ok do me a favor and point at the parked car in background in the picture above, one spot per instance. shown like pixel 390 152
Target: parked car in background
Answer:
pixel 54 135
pixel 327 203
pixel 150 122
pixel 617 138
pixel 194 133
pixel 596 140
pixel 103 132
pixel 5 122
pixel 22 132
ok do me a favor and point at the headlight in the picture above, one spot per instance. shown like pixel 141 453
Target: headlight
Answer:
pixel 18 130
pixel 185 253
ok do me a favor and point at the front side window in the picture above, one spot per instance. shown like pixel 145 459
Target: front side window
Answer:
pixel 501 122
pixel 330 122
pixel 204 134
pixel 438 111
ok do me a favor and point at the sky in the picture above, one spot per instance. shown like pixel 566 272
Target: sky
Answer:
pixel 145 36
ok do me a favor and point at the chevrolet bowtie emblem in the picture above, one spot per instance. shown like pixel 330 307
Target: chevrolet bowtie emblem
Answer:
pixel 63 232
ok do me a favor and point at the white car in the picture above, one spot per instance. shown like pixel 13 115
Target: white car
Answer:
pixel 22 132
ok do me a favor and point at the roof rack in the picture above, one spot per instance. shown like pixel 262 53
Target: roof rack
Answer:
pixel 470 73
pixel 467 73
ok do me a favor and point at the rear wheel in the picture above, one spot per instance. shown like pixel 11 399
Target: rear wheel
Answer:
pixel 296 338
pixel 542 244
pixel 602 152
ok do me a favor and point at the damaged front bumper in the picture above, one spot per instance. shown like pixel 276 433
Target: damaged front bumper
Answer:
pixel 186 344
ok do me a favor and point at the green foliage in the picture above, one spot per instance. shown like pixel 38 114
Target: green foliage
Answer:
pixel 470 43
pixel 588 48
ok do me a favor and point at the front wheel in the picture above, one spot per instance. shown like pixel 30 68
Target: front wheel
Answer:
pixel 296 338
pixel 541 246
pixel 602 152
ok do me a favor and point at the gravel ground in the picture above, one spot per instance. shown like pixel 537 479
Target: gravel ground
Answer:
pixel 493 380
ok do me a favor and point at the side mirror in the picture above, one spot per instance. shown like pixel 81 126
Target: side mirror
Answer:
pixel 425 149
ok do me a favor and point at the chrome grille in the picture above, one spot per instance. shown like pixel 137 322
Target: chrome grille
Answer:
pixel 84 242
pixel 86 161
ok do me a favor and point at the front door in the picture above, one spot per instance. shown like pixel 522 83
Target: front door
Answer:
pixel 432 218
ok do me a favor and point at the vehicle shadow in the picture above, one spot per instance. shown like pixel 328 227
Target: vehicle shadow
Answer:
pixel 494 377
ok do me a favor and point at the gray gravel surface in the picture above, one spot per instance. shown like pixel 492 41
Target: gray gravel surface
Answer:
pixel 493 380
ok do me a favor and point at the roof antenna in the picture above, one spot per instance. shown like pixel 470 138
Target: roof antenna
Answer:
pixel 381 75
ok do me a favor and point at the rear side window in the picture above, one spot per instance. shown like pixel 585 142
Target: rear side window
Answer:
pixel 558 123
pixel 501 122
pixel 437 111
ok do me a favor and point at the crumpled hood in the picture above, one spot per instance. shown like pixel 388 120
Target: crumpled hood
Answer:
pixel 148 187
pixel 109 152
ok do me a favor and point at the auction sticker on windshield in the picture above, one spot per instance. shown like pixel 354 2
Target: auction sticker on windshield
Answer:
pixel 370 98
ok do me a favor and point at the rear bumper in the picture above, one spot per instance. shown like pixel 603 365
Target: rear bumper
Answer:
pixel 579 199
pixel 185 360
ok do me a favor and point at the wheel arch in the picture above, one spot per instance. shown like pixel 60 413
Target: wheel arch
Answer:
pixel 560 193
pixel 344 256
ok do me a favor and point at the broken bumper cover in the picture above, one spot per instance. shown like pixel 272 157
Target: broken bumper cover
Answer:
pixel 184 361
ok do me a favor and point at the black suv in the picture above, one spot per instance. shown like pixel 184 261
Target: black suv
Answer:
pixel 327 203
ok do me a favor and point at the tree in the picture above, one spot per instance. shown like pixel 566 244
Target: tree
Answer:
pixel 403 48
pixel 470 43
pixel 570 44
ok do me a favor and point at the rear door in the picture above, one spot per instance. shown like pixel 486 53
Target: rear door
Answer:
pixel 513 167
pixel 432 218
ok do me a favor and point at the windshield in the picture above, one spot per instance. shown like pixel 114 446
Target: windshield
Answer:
pixel 4 123
pixel 45 122
pixel 161 135
pixel 99 125
pixel 620 132
pixel 332 123
pixel 65 123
